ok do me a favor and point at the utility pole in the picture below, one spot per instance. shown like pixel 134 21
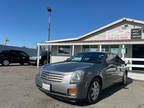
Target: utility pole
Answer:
pixel 48 53
pixel 6 40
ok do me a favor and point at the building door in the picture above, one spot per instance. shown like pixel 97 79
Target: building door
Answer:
pixel 138 52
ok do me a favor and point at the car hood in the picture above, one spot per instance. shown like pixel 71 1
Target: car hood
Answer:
pixel 67 66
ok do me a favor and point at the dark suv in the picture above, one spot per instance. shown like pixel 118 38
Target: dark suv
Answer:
pixel 13 56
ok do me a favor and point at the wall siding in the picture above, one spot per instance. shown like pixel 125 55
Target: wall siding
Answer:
pixel 102 34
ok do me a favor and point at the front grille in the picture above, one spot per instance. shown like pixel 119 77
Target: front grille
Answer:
pixel 52 77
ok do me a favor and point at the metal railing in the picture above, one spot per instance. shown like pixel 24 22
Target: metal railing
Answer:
pixel 130 64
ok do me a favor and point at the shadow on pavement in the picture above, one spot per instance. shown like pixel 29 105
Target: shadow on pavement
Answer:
pixel 104 94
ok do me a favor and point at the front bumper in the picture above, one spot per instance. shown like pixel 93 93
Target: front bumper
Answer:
pixel 61 89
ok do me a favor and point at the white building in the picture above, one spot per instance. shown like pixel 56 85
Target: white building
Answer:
pixel 124 37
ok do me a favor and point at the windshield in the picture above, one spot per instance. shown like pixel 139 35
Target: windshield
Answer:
pixel 88 57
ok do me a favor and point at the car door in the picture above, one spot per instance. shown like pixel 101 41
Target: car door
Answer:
pixel 109 75
pixel 120 65
pixel 109 72
pixel 3 56
pixel 23 56
pixel 14 57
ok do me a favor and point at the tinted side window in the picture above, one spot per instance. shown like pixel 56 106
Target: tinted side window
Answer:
pixel 110 58
pixel 13 53
pixel 118 60
pixel 23 54
pixel 4 52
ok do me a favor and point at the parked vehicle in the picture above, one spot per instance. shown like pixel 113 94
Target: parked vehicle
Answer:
pixel 82 76
pixel 42 58
pixel 13 56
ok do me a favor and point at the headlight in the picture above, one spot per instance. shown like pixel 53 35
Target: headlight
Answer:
pixel 76 77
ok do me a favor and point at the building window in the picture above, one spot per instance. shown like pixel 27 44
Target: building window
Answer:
pixel 111 48
pixel 86 48
pixel 105 48
pixel 114 50
pixel 93 48
pixel 90 48
pixel 64 50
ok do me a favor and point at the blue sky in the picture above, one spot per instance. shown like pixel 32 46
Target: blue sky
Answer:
pixel 25 22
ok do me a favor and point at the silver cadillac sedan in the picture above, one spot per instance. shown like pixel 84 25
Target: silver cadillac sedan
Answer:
pixel 82 76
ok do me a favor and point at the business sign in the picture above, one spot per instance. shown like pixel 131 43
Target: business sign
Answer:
pixel 136 33
pixel 118 34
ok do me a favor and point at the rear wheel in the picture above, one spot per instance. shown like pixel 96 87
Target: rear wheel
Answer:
pixel 94 91
pixel 44 62
pixel 125 79
pixel 5 62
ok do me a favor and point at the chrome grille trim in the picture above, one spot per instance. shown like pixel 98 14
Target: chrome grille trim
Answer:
pixel 52 77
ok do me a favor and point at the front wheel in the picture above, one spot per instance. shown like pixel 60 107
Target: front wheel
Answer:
pixel 93 91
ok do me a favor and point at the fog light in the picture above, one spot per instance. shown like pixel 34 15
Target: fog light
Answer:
pixel 72 94
pixel 72 91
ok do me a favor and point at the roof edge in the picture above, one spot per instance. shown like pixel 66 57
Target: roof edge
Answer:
pixel 99 29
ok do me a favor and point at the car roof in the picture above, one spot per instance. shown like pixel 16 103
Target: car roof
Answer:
pixel 12 50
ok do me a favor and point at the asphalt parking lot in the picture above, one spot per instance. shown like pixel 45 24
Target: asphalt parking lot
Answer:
pixel 18 90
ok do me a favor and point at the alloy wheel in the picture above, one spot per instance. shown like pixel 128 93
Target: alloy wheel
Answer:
pixel 94 92
pixel 5 62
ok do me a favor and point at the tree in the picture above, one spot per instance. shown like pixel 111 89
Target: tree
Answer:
pixel 24 47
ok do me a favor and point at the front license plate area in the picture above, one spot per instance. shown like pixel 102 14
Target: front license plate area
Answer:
pixel 46 86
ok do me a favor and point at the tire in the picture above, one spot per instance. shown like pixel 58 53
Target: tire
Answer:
pixel 5 62
pixel 44 62
pixel 94 91
pixel 125 77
